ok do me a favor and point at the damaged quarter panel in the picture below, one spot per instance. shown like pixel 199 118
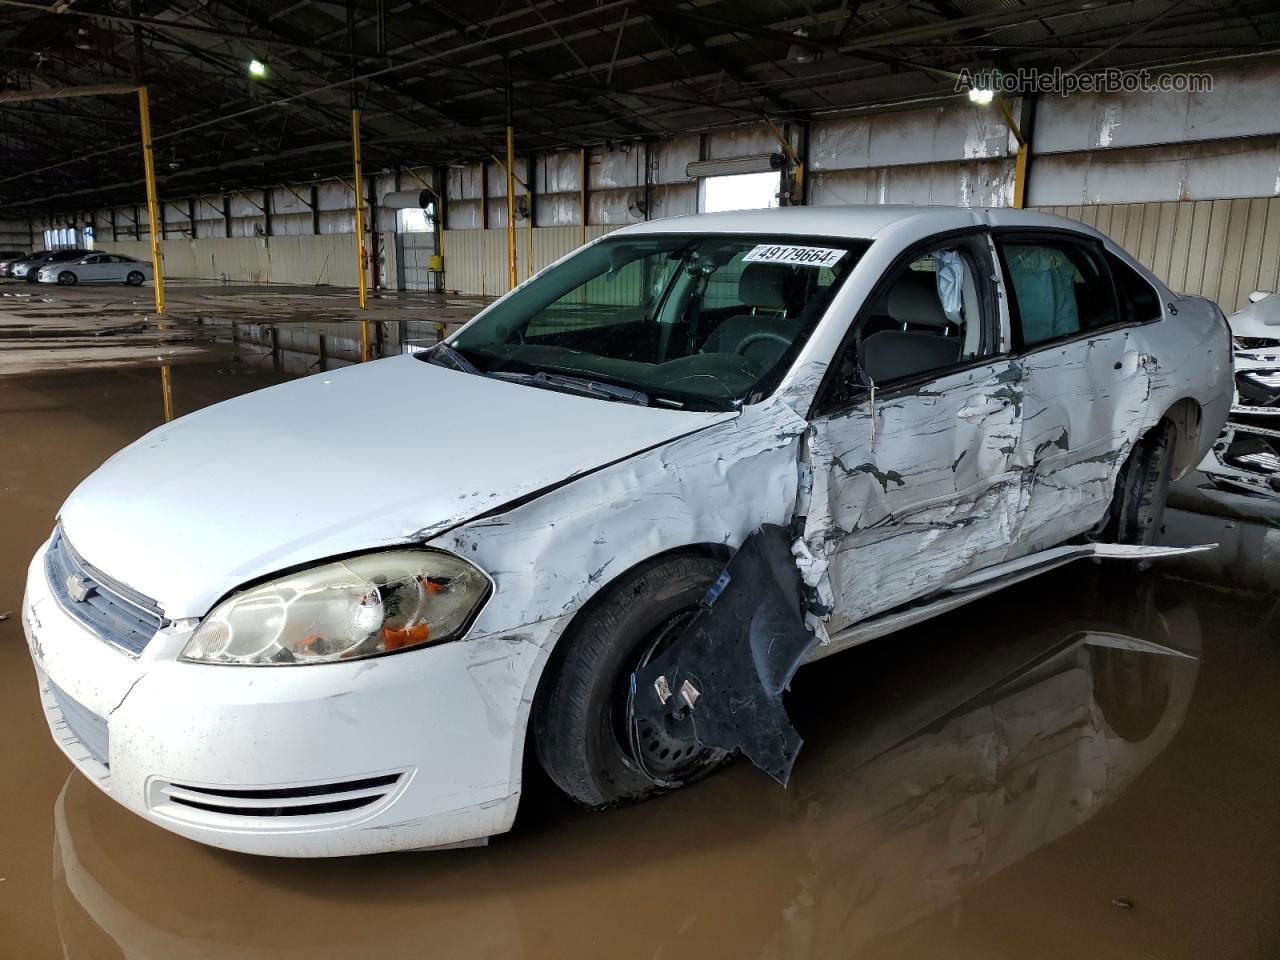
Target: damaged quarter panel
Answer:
pixel 1138 353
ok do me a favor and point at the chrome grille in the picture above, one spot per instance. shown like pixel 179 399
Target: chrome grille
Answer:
pixel 114 612
pixel 83 724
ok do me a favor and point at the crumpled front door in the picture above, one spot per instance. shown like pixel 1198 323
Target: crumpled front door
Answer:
pixel 912 489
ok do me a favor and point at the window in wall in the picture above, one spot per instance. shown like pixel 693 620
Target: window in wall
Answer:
pixel 416 219
pixel 740 191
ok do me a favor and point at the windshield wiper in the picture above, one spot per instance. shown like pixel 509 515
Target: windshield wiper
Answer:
pixel 579 385
pixel 452 358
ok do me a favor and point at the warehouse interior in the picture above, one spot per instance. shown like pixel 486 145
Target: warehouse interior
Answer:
pixel 314 184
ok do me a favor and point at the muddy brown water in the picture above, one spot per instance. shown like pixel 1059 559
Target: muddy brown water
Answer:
pixel 1083 766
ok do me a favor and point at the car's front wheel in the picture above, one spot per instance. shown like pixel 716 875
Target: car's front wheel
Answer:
pixel 1136 514
pixel 135 278
pixel 67 278
pixel 585 734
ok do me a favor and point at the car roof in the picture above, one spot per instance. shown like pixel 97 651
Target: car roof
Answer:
pixel 854 222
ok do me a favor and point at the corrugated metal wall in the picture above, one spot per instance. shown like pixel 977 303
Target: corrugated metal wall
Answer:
pixel 1221 249
pixel 476 260
pixel 306 260
pixel 15 235
pixel 1189 179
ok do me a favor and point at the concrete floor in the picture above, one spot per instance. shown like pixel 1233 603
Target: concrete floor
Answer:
pixel 1008 781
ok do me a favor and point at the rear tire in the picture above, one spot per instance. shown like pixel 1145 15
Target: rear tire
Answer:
pixel 1136 514
pixel 583 732
pixel 67 279
pixel 135 278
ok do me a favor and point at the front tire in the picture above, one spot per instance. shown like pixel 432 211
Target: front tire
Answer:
pixel 67 279
pixel 584 733
pixel 1136 514
pixel 135 278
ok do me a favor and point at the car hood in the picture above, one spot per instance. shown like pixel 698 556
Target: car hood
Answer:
pixel 1260 319
pixel 383 453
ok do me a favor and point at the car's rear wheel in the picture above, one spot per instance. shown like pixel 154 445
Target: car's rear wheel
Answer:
pixel 1136 514
pixel 585 734
pixel 135 278
pixel 67 278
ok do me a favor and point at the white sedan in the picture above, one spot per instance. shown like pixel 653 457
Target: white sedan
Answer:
pixel 97 268
pixel 638 493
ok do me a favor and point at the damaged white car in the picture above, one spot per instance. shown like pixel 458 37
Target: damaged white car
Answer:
pixel 1246 457
pixel 608 518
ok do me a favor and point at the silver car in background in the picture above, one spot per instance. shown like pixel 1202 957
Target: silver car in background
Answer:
pixel 8 258
pixel 29 268
pixel 96 268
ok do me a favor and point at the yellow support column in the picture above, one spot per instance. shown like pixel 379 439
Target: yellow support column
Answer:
pixel 362 255
pixel 1020 177
pixel 153 207
pixel 166 388
pixel 1020 160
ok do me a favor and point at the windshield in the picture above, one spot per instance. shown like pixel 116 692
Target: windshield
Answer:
pixel 687 320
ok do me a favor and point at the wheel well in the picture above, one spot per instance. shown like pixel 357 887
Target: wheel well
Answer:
pixel 715 551
pixel 1187 418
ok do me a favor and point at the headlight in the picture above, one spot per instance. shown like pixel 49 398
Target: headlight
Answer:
pixel 362 607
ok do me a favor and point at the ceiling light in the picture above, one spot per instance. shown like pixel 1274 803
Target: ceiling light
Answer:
pixel 800 52
pixel 981 95
pixel 257 69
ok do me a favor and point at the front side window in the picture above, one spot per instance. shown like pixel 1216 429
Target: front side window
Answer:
pixel 932 314
pixel 684 320
pixel 1061 288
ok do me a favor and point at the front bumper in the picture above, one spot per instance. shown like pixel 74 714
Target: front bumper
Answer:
pixel 408 751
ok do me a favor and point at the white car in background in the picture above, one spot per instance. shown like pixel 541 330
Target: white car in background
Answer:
pixel 1246 457
pixel 614 513
pixel 97 268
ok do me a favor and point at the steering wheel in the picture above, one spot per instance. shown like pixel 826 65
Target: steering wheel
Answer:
pixel 760 336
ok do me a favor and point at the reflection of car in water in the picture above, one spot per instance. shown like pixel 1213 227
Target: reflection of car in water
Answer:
pixel 927 783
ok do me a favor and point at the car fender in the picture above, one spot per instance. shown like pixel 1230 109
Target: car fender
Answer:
pixel 550 555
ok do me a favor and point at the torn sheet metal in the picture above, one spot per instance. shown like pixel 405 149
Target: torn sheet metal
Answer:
pixel 721 681
pixel 928 473
pixel 711 488
pixel 1246 456
pixel 1045 560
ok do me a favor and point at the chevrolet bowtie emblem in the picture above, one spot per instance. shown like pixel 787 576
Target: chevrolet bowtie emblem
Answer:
pixel 77 589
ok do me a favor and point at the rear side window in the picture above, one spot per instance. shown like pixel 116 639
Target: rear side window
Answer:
pixel 1060 289
pixel 1139 301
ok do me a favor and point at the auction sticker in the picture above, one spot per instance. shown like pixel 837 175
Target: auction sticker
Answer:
pixel 795 256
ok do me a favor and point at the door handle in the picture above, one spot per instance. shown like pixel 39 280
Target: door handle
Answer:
pixel 979 406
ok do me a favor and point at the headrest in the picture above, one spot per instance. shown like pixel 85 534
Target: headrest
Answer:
pixel 913 298
pixel 767 286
